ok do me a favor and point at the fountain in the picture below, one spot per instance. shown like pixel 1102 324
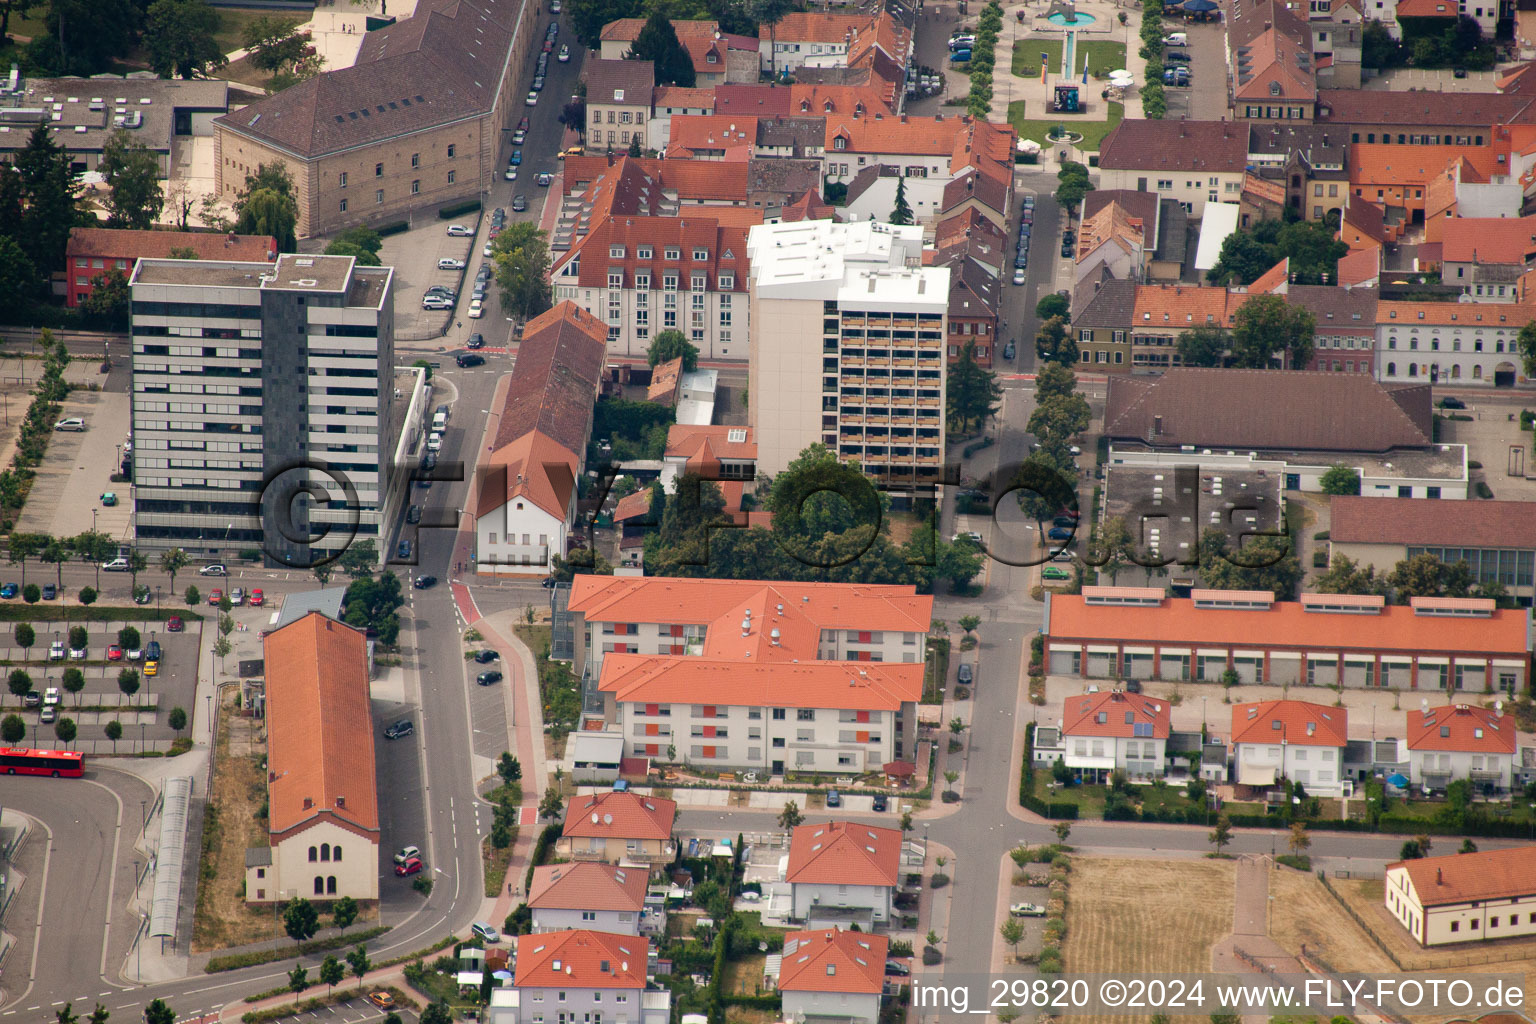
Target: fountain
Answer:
pixel 1065 15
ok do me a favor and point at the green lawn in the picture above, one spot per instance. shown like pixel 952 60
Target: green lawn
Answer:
pixel 1103 56
pixel 232 22
pixel 1093 132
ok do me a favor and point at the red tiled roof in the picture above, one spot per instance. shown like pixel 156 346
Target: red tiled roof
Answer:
pixel 587 885
pixel 1427 9
pixel 844 853
pixel 903 136
pixel 1461 727
pixel 833 961
pixel 1287 625
pixel 780 683
pixel 1275 58
pixel 857 102
pixel 1380 165
pixel 1204 146
pixel 578 958
pixel 1509 240
pixel 1111 222
pixel 685 99
pixel 1114 713
pixel 122 243
pixel 816 27
pixel 627 30
pixel 319 726
pixel 1296 722
pixel 702 447
pixel 1456 314
pixel 619 816
pixel 1180 305
pixel 1359 267
pixel 809 206
pixel 631 505
pixel 1421 108
pixel 700 229
pixel 701 601
pixel 734 134
pixel 1465 877
pixel 1271 279
pixel 752 100
pixel 1422 521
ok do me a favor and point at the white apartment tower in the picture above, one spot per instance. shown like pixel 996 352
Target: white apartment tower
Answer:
pixel 847 331
pixel 262 396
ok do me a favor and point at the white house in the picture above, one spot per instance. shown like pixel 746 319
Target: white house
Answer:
pixel 526 493
pixel 1108 730
pixel 580 976
pixel 843 865
pixel 587 894
pixel 322 804
pixel 1462 741
pixel 831 974
pixel 1466 897
pixel 1290 739
pixel 1458 343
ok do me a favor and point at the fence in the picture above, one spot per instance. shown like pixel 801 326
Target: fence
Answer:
pixel 1369 931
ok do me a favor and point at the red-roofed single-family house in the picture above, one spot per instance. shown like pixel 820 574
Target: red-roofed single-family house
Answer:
pixel 587 894
pixel 831 974
pixel 1290 739
pixel 580 975
pixel 843 866
pixel 1462 741
pixel 619 828
pixel 1108 730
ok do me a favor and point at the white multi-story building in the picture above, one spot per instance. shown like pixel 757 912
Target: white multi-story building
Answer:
pixel 644 275
pixel 841 866
pixel 587 894
pixel 848 347
pixel 1468 343
pixel 820 677
pixel 1190 162
pixel 1290 739
pixel 1110 730
pixel 589 976
pixel 252 382
pixel 1462 741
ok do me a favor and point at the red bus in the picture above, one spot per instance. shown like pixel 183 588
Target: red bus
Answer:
pixel 20 761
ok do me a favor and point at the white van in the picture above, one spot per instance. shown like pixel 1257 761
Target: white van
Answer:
pixel 1176 39
pixel 439 421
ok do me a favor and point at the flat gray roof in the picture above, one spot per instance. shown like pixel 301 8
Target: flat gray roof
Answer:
pixel 199 273
pixel 299 272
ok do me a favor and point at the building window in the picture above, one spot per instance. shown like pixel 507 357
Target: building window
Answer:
pixel 451 151
pixel 416 187
pixel 343 206
pixel 378 170
pixel 343 179
pixel 452 176
pixel 378 196
pixel 415 160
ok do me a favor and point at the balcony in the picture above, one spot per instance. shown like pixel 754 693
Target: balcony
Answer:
pixel 853 360
pixel 902 399
pixel 905 361
pixel 928 403
pixel 853 381
pixel 878 418
pixel 853 418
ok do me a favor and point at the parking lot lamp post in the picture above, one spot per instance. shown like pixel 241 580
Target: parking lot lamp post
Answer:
pixel 141 737
pixel 211 723
pixel 144 813
pixel 225 546
pixel 925 844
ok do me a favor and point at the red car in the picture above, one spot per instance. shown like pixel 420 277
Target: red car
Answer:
pixel 256 600
pixel 114 652
pixel 214 597
pixel 410 866
pixel 174 624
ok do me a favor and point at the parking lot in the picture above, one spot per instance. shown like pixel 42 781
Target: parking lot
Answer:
pixel 1205 98
pixel 415 254
pixel 78 466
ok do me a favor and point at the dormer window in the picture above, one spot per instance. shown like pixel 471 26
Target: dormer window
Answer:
pixel 643 252
pixel 1274 88
pixel 838 143
pixel 701 254
pixel 672 252
pixel 616 252
pixel 618 95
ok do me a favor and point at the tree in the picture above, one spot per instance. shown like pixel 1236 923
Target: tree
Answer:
pixel 1012 932
pixel 950 778
pixel 358 960
pixel 509 768
pixel 1203 345
pixel 20 8
pixel 790 817
pixel 179 37
pixel 344 912
pixel 128 681
pixel 1266 326
pixel 222 647
pixel 521 253
pixel 956 726
pixel 298 979
pixel 158 1012
pixel 1072 186
pixel 770 13
pixel 1424 575
pixel 18 275
pixel 1242 260
pixel 129 637
pixel 658 43
pixel 1055 380
pixel 12 729
pixel 361 243
pixel 31 593
pixel 901 213
pixel 301 920
pixel 177 719
pixel 1467 846
pixel 1340 479
pixel 192 596
pixel 670 345
pixel 20 682
pixel 574 115
pixel 88 596
pixel 73 682
pixel 1425 843
pixel 1299 841
pixel 1112 547
pixel 969 623
pixel 1052 305
pixel 273 43
pixel 172 562
pixel 50 195
pixel 78 636
pixel 1527 343
pixel 331 972
pixel 437 1013
pixel 24 546
pixel 1063 829
pixel 1060 419
pixel 99 1015
pixel 1345 576
pixel 1221 835
pixel 371 604
pixel 1055 344
pixel 1410 850
pixel 65 730
pixel 26 636
pixel 267 212
pixel 132 172
pixel 973 394
pixel 56 554
pixel 114 730
pixel 1266 563
pixel 359 559
pixel 551 804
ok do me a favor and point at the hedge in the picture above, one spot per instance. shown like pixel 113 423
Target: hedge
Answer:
pixel 752 1002
pixel 329 944
pixel 449 212
pixel 541 848
pixel 1061 809
pixel 394 228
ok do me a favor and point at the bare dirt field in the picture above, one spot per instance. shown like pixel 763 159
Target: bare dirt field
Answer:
pixel 1150 917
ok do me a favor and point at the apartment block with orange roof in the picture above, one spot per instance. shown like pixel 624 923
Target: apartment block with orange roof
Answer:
pixel 1192 162
pixel 831 39
pixel 771 676
pixel 832 974
pixel 1486 256
pixel 323 808
pixel 1465 897
pixel 1465 343
pixel 581 975
pixel 843 870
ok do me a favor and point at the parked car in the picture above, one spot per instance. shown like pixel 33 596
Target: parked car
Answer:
pixel 546 179
pixel 1059 533
pixel 403 549
pixel 215 569
pixel 532 100
pixel 404 727
pixel 879 803
pixel 50 714
pixel 485 932
pixel 1027 910
pixel 116 565
pixel 411 866
pixel 1052 572
pixel 897 969
pixel 413 515
pixel 135 654
pixel 1182 58
pixel 406 853
pixel 1133 686
pixel 488 678
pixel 56 651
pixel 214 597
pixel 834 798
pixel 152 650
pixel 486 656
pixel 31 699
pixel 49 592
pixel 511 174
pixel 565 54
pixel 476 309
pixel 77 653
pixel 174 624
pixel 519 203
pixel 9 591
pixel 382 999
pixel 74 423
pixel 257 598
pixel 449 263
pixel 965 675
pixel 436 301
pixel 1452 402
pixel 468 359
pixel 1018 278
pixel 114 652
pixel 459 231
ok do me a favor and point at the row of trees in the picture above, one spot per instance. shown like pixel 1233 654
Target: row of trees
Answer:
pixel 1249 253
pixel 1266 329
pixel 157 1012
pixel 1048 475
pixel 1422 575
pixel 978 102
pixel 521 254
pixel 36 428
pixel 1154 102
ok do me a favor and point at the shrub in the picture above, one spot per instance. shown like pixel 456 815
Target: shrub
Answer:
pixel 394 228
pixel 450 212
pixel 938 881
pixel 931 956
